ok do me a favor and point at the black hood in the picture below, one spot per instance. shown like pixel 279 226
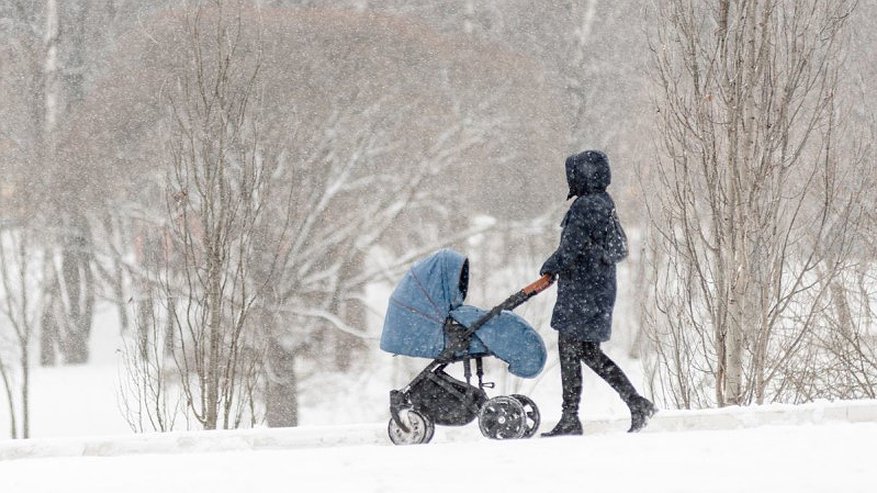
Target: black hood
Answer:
pixel 587 172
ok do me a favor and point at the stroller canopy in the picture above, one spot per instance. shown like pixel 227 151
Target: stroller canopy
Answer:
pixel 434 289
pixel 419 306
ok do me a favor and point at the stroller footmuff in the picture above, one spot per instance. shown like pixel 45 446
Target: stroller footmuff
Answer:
pixel 426 318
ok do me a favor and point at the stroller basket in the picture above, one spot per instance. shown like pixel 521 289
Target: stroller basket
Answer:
pixel 450 402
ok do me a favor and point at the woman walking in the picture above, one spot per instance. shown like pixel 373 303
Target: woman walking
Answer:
pixel 591 243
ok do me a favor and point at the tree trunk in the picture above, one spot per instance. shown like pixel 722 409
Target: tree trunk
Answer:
pixel 171 327
pixel 49 329
pixel 78 286
pixel 25 392
pixel 214 338
pixel 10 399
pixel 281 396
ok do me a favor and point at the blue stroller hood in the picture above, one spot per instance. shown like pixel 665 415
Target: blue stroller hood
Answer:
pixel 419 306
pixel 434 289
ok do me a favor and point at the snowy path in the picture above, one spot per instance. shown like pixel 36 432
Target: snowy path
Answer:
pixel 830 457
pixel 375 434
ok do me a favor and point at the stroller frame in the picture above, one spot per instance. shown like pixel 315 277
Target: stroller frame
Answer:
pixel 437 398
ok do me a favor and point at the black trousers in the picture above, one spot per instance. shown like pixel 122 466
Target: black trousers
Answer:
pixel 572 353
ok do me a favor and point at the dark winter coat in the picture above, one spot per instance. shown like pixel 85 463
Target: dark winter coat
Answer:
pixel 586 282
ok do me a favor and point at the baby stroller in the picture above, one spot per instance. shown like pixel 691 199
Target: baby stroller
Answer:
pixel 426 318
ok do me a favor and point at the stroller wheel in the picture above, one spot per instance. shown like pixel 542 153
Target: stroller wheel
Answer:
pixel 502 418
pixel 531 415
pixel 420 428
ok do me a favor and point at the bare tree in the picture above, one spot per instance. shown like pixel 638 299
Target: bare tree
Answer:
pixel 22 274
pixel 841 358
pixel 221 177
pixel 151 398
pixel 222 180
pixel 755 215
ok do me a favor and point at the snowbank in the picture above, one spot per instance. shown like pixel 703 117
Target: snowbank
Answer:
pixel 832 457
pixel 375 434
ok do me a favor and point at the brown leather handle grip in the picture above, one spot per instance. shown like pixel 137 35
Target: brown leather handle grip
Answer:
pixel 540 285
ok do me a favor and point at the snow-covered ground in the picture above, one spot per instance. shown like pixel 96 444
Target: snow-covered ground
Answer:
pixel 831 456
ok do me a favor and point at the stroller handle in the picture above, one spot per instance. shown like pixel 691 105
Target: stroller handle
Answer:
pixel 510 303
pixel 539 285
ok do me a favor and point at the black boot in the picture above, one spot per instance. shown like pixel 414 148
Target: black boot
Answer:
pixel 641 409
pixel 569 424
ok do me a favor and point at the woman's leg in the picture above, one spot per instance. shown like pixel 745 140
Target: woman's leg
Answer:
pixel 602 365
pixel 641 409
pixel 570 352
